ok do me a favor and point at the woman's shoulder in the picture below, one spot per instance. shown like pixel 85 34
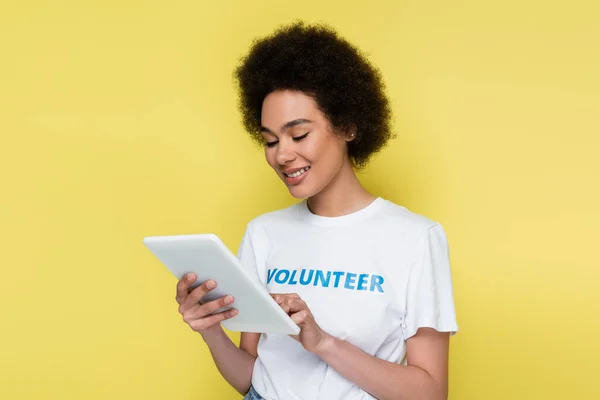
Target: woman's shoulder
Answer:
pixel 408 218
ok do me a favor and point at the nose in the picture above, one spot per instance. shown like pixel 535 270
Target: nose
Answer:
pixel 285 153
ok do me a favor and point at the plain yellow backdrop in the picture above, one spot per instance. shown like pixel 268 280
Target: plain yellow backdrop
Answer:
pixel 118 120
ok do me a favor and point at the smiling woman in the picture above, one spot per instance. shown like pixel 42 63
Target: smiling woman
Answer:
pixel 348 92
pixel 367 281
pixel 303 149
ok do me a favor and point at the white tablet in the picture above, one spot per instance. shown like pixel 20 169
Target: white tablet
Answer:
pixel 208 257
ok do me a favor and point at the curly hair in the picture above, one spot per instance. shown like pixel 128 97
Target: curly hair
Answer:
pixel 318 62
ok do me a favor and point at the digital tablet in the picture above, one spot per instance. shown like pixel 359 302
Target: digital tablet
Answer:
pixel 207 256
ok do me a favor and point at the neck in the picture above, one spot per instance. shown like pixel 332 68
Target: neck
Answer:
pixel 344 195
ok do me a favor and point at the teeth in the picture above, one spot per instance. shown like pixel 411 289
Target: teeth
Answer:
pixel 298 173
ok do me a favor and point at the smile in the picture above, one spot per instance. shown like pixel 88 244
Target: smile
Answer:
pixel 297 173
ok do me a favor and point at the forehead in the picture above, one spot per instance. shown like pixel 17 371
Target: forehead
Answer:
pixel 283 106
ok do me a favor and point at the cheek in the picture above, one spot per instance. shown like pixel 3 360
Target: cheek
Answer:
pixel 319 151
pixel 329 152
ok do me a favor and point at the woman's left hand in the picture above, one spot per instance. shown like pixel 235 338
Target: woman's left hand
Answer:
pixel 311 336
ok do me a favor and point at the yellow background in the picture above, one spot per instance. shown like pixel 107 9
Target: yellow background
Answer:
pixel 118 120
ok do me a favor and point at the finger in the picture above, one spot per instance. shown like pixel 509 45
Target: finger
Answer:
pixel 290 295
pixel 183 285
pixel 277 297
pixel 201 291
pixel 280 297
pixel 200 325
pixel 207 309
pixel 291 305
pixel 300 317
pixel 295 304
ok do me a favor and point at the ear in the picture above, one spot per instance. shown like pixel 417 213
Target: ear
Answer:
pixel 350 133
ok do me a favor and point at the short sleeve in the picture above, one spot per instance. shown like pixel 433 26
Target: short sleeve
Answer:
pixel 247 256
pixel 429 296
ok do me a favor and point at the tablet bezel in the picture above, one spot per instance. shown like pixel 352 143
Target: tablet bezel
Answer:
pixel 209 258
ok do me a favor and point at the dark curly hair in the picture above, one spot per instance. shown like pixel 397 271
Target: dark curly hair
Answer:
pixel 317 61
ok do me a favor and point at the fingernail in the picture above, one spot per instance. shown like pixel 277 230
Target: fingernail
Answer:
pixel 210 285
pixel 190 277
pixel 228 299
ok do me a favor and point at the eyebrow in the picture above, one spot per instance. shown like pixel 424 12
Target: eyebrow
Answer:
pixel 288 125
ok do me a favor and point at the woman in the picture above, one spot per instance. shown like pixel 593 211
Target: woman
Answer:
pixel 367 281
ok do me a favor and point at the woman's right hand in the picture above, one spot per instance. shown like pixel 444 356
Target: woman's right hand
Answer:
pixel 198 316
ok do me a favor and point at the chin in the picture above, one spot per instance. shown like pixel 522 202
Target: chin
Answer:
pixel 299 192
pixel 302 191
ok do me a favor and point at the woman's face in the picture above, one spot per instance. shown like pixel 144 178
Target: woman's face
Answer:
pixel 300 145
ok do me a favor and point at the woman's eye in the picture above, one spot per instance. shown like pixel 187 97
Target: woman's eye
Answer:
pixel 296 139
pixel 299 138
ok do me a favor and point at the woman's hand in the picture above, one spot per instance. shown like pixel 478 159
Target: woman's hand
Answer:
pixel 197 315
pixel 311 336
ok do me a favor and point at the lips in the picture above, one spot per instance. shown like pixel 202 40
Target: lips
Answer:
pixel 293 177
pixel 294 173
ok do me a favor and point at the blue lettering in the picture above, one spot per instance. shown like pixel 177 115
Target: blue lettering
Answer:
pixel 321 275
pixel 337 275
pixel 306 281
pixel 376 282
pixel 278 277
pixel 362 282
pixel 292 281
pixel 270 274
pixel 350 280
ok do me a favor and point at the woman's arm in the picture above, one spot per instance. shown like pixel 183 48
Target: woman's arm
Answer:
pixel 235 364
pixel 425 376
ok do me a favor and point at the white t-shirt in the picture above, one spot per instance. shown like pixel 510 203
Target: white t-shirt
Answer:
pixel 371 278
